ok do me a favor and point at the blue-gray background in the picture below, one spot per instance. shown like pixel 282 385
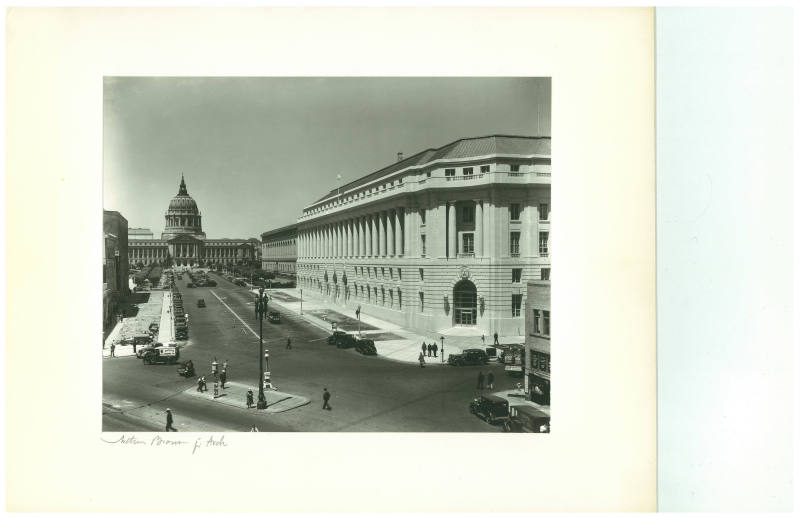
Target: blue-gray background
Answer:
pixel 724 227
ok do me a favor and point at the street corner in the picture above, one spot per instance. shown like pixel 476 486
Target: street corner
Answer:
pixel 235 394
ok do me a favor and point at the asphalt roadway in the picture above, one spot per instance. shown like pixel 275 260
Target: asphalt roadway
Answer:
pixel 369 394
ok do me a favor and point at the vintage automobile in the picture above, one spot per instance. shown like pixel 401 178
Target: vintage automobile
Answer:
pixel 334 338
pixel 186 369
pixel 190 285
pixel 140 339
pixel 161 355
pixel 154 327
pixel 490 408
pixel 146 348
pixel 524 418
pixel 274 317
pixel 366 347
pixel 346 341
pixel 468 357
pixel 201 303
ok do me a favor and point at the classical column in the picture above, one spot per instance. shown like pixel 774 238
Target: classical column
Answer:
pixel 409 218
pixel 451 231
pixel 398 233
pixel 374 233
pixel 336 240
pixel 382 233
pixel 360 227
pixel 389 234
pixel 529 236
pixel 350 238
pixel 478 229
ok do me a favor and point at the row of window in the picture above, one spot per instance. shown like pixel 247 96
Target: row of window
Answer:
pixel 541 323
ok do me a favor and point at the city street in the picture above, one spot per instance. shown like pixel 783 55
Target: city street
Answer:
pixel 369 394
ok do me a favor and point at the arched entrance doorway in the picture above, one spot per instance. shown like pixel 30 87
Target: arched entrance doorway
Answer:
pixel 465 303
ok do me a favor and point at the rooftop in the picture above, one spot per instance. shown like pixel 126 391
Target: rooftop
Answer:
pixel 279 230
pixel 459 149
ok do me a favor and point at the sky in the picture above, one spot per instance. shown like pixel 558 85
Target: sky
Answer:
pixel 255 151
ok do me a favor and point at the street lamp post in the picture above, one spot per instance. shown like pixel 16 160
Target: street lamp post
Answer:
pixel 261 310
pixel 442 339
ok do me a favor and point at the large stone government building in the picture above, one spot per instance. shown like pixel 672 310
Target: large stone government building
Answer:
pixel 447 237
pixel 183 241
pixel 279 250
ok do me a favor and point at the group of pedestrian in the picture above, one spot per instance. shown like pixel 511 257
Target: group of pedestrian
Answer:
pixel 249 399
pixel 489 380
pixel 430 349
pixel 201 384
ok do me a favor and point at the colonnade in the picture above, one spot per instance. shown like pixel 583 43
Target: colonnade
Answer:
pixel 183 221
pixel 377 234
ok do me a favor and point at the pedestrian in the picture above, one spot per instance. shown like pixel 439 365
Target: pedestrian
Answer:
pixel 113 346
pixel 480 380
pixel 490 380
pixel 134 347
pixel 169 421
pixel 326 396
pixel 253 428
pixel 214 367
pixel 223 375
pixel 288 343
pixel 205 386
pixel 430 350
pixel 483 339
pixel 249 399
pixel 216 389
pixel 421 360
pixel 435 350
pixel 496 341
pixel 200 384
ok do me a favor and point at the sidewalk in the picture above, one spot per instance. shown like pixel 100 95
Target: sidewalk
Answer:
pixel 391 340
pixel 235 394
pixel 147 313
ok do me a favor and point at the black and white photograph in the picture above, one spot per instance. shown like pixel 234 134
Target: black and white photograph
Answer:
pixel 326 254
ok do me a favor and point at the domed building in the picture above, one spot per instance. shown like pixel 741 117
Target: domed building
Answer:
pixel 182 216
pixel 183 242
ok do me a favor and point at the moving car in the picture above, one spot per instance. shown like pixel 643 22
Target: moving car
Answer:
pixel 366 347
pixel 524 418
pixel 161 355
pixel 186 369
pixel 274 317
pixel 201 303
pixel 490 408
pixel 146 348
pixel 469 357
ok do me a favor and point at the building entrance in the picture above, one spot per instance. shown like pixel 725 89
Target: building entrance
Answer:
pixel 465 304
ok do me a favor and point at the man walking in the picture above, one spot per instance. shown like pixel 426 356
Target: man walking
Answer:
pixel 424 347
pixel 490 380
pixel 222 376
pixel 435 349
pixel 421 361
pixel 480 380
pixel 169 422
pixel 113 346
pixel 430 350
pixel 326 396
pixel 496 341
pixel 288 343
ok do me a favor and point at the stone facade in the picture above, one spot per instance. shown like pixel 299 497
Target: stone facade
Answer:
pixel 115 263
pixel 183 241
pixel 537 342
pixel 448 237
pixel 279 250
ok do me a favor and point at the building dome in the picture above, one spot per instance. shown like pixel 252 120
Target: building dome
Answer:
pixel 183 216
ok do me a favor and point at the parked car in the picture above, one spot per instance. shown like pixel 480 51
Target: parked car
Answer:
pixel 161 355
pixel 469 357
pixel 490 408
pixel 201 303
pixel 154 327
pixel 140 339
pixel 274 317
pixel 141 351
pixel 524 418
pixel 211 284
pixel 332 340
pixel 190 285
pixel 346 341
pixel 367 347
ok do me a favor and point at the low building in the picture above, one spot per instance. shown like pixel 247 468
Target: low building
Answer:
pixel 537 342
pixel 448 237
pixel 279 250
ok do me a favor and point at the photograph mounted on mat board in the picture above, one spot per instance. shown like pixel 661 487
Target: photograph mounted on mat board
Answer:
pixel 398 238
pixel 603 241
